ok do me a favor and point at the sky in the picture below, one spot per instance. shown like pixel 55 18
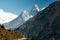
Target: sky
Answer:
pixel 17 6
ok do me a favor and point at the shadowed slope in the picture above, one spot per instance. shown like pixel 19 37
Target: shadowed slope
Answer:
pixel 43 25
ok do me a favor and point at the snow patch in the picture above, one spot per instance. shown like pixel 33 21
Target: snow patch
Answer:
pixel 6 16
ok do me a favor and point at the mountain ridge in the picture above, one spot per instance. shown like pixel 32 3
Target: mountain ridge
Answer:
pixel 22 18
pixel 43 23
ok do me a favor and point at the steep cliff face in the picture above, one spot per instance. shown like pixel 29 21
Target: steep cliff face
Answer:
pixel 45 25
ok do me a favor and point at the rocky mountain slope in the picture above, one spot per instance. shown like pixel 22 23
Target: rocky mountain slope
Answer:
pixel 45 25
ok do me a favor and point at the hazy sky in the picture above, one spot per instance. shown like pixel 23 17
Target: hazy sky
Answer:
pixel 16 6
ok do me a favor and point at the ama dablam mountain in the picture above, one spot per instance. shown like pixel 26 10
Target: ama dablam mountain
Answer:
pixel 22 18
pixel 45 25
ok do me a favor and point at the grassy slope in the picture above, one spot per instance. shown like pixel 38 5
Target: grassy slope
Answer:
pixel 8 34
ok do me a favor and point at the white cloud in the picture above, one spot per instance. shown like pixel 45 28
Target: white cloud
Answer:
pixel 6 16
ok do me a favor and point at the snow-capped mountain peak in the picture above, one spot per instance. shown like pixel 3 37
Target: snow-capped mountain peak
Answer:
pixel 36 7
pixel 25 15
pixel 34 10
